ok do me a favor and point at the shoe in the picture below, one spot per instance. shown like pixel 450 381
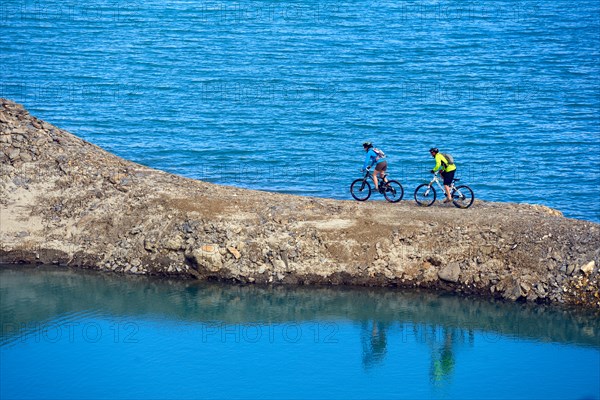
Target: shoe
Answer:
pixel 447 200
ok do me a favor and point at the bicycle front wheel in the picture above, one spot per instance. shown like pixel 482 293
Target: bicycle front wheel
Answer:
pixel 425 195
pixel 463 196
pixel 393 191
pixel 360 189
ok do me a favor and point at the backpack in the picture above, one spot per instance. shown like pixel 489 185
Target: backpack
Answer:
pixel 380 154
pixel 449 158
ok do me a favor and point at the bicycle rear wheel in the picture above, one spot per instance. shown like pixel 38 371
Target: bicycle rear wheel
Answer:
pixel 393 191
pixel 360 189
pixel 425 195
pixel 463 196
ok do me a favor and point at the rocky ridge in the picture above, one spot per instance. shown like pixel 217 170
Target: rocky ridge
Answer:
pixel 66 201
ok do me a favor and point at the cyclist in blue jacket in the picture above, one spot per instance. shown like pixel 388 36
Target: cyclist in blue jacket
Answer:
pixel 375 157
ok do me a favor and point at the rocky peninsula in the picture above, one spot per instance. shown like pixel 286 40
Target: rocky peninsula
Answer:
pixel 66 201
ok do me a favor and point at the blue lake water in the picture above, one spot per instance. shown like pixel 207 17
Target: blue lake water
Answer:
pixel 79 335
pixel 279 95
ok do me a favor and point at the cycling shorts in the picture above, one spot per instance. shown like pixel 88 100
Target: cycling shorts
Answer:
pixel 382 166
pixel 448 177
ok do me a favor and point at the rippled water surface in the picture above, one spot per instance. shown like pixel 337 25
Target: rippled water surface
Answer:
pixel 279 95
pixel 79 335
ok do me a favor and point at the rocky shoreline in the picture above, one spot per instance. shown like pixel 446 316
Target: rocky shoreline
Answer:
pixel 66 201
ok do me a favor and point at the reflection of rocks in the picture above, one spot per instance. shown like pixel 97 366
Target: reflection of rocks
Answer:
pixel 66 201
pixel 241 304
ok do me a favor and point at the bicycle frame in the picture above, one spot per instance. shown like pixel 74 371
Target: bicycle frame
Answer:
pixel 437 180
pixel 369 175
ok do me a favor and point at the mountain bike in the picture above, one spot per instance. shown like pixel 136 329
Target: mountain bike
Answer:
pixel 462 196
pixel 361 190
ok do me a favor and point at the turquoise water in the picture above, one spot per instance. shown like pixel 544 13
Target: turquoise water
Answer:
pixel 279 95
pixel 79 335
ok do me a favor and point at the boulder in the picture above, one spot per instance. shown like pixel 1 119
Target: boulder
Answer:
pixel 279 265
pixel 450 273
pixel 26 157
pixel 588 268
pixel 150 245
pixel 14 154
pixel 208 256
pixel 435 260
pixel 234 252
pixel 174 243
pixel 513 290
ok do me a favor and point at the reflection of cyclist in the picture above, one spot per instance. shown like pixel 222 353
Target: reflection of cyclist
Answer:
pixel 374 344
pixel 447 171
pixel 377 157
pixel 442 361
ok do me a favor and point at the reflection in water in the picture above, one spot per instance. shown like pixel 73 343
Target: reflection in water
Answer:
pixel 374 343
pixel 233 341
pixel 442 361
pixel 445 342
pixel 70 292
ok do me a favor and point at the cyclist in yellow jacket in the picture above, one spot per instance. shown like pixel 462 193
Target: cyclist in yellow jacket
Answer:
pixel 447 170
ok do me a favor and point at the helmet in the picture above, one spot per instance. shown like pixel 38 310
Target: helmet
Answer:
pixel 367 145
pixel 433 150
